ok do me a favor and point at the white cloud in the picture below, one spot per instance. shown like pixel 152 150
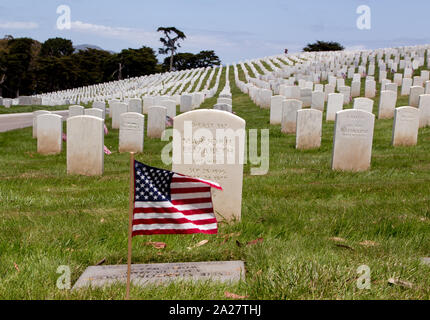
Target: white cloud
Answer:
pixel 136 36
pixel 18 25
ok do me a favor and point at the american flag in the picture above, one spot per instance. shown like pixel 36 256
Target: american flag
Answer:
pixel 170 203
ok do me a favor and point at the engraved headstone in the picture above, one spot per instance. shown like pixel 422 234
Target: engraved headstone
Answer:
pixel 76 111
pixel 387 104
pixel 365 104
pixel 424 108
pixel 49 134
pixel 156 121
pixel 353 140
pixel 131 132
pixel 334 105
pixel 135 105
pixel 289 115
pixel 406 124
pixel 211 146
pixel 276 110
pixel 85 145
pixel 318 100
pixel 309 129
pixel 35 115
pixel 147 274
pixel 118 108
pixel 414 96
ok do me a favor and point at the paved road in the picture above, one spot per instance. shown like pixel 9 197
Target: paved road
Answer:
pixel 15 121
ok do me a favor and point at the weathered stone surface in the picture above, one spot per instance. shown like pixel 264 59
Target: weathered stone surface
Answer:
pixel 387 104
pixel 85 145
pixel 76 111
pixel 406 124
pixel 135 105
pixel 353 140
pixel 156 121
pixel 289 115
pixel 118 109
pixel 95 112
pixel 334 105
pixel 186 103
pixel 276 110
pixel 145 274
pixel 211 146
pixel 309 129
pixel 424 108
pixel 49 134
pixel 365 104
pixel 414 96
pixel 35 115
pixel 170 105
pixel 131 132
pixel 318 100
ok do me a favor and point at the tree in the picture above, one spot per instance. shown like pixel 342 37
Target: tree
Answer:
pixel 186 60
pixel 57 47
pixel 207 58
pixel 170 42
pixel 131 63
pixel 19 77
pixel 323 46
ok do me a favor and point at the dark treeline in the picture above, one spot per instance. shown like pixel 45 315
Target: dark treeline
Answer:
pixel 28 67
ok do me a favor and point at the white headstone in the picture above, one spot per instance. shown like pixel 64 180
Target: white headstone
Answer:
pixel 35 115
pixel 406 124
pixel 276 110
pixel 353 140
pixel 156 121
pixel 131 132
pixel 85 145
pixel 196 153
pixel 318 100
pixel 424 108
pixel 289 115
pixel 118 109
pixel 309 129
pixel 365 104
pixel 76 111
pixel 387 104
pixel 334 105
pixel 414 96
pixel 95 112
pixel 135 105
pixel 49 133
pixel 186 102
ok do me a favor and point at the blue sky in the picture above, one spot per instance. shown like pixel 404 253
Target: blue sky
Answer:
pixel 235 29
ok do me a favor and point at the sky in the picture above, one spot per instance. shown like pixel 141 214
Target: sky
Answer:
pixel 236 29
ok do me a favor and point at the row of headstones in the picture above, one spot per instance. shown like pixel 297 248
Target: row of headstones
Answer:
pixel 353 135
pixel 85 149
pixel 135 88
pixel 387 105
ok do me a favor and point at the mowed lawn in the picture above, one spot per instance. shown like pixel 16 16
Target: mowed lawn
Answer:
pixel 317 226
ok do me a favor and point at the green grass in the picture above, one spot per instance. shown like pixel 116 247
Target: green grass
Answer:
pixel 24 109
pixel 48 219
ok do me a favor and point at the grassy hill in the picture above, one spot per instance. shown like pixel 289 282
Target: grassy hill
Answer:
pixel 318 226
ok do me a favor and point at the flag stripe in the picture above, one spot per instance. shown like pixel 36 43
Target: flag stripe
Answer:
pixel 180 196
pixel 174 226
pixel 170 203
pixel 173 221
pixel 173 210
pixel 188 190
pixel 175 215
pixel 172 231
pixel 191 201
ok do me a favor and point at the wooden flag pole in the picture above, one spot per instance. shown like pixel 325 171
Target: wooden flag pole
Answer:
pixel 130 224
